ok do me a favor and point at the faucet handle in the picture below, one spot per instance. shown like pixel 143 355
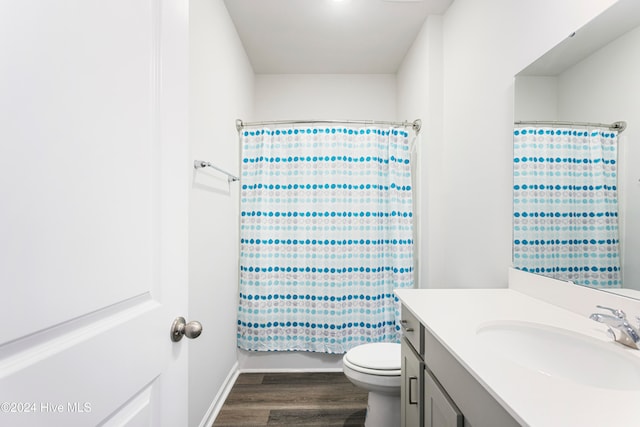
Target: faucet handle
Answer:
pixel 616 312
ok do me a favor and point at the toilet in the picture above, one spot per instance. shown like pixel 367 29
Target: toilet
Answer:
pixel 376 367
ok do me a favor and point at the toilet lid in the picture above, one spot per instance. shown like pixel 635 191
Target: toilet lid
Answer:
pixel 382 356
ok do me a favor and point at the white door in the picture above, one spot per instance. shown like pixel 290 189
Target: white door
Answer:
pixel 93 212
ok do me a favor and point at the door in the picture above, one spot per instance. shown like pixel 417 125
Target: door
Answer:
pixel 410 393
pixel 439 409
pixel 93 212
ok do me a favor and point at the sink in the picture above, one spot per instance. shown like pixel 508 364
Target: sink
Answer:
pixel 562 353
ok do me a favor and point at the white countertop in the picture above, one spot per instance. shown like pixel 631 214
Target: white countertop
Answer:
pixel 453 316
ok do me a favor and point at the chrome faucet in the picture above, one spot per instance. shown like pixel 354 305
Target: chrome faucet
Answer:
pixel 621 330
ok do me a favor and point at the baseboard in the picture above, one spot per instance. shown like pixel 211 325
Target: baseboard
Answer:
pixel 279 370
pixel 220 398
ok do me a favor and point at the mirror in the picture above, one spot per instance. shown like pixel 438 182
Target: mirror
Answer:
pixel 592 76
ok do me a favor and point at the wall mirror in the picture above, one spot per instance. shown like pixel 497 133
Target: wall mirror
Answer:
pixel 594 76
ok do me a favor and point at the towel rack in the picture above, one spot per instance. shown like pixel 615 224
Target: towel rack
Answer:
pixel 198 164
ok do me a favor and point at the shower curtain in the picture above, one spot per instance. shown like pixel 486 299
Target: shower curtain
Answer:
pixel 326 236
pixel 566 204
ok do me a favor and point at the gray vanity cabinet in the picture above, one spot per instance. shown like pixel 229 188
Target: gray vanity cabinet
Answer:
pixel 412 371
pixel 423 401
pixel 410 393
pixel 437 390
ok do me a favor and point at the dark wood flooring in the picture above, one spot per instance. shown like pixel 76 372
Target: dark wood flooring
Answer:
pixel 293 399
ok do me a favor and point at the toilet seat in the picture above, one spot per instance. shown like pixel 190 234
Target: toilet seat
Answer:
pixel 376 367
pixel 382 359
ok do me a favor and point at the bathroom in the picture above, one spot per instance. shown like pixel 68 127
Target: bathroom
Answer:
pixel 457 77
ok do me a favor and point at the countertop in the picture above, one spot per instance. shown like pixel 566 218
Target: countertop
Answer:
pixel 534 399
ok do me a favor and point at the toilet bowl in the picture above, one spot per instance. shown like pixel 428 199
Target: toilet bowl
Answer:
pixel 376 367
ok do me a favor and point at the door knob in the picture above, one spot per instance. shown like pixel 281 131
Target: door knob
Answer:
pixel 180 328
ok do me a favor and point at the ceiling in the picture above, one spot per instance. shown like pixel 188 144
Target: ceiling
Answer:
pixel 329 36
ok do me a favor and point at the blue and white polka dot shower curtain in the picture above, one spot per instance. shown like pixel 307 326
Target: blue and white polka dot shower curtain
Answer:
pixel 326 236
pixel 566 204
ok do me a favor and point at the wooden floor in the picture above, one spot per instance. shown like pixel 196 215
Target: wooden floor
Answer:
pixel 293 399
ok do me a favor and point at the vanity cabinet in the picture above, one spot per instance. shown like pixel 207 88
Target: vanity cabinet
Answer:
pixel 437 390
pixel 412 371
pixel 423 401
pixel 412 379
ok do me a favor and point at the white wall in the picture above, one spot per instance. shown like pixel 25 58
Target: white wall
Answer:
pixel 317 96
pixel 604 88
pixel 420 95
pixel 325 96
pixel 221 90
pixel 484 45
pixel 536 98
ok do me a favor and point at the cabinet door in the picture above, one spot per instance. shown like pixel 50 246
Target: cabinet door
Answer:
pixel 439 409
pixel 412 368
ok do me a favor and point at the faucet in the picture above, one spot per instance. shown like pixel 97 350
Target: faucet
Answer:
pixel 621 330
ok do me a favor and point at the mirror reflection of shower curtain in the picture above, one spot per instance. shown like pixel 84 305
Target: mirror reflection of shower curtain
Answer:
pixel 565 222
pixel 326 236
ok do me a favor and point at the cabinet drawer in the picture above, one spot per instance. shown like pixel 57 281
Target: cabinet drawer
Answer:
pixel 412 330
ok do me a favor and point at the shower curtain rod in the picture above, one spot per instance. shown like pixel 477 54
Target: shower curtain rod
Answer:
pixel 619 126
pixel 416 125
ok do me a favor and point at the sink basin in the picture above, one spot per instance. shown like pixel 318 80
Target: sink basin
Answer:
pixel 562 353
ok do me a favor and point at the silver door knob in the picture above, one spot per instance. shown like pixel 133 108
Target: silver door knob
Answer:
pixel 180 328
